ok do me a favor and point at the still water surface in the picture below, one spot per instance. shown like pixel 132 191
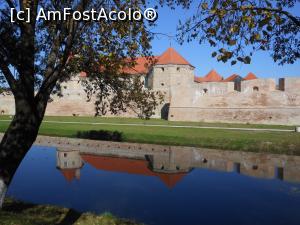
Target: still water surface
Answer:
pixel 164 187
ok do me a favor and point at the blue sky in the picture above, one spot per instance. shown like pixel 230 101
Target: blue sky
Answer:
pixel 200 55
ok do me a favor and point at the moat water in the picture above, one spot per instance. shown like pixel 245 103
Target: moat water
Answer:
pixel 164 187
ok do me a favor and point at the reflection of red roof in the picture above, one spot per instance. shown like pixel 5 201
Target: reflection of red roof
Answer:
pixel 250 76
pixel 115 164
pixel 170 180
pixel 171 56
pixel 231 78
pixel 212 76
pixel 69 174
pixel 131 166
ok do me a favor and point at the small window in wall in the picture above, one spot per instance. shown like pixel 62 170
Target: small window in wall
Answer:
pixel 162 69
pixel 178 68
pixel 205 90
pixel 65 154
pixel 162 84
pixel 255 88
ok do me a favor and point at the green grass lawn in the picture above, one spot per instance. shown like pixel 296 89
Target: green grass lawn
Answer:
pixel 20 213
pixel 153 121
pixel 258 141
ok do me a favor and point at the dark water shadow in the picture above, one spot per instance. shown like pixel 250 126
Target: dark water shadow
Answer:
pixel 17 207
pixel 71 217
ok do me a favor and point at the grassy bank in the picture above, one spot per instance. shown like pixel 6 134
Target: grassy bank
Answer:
pixel 20 213
pixel 255 141
pixel 152 121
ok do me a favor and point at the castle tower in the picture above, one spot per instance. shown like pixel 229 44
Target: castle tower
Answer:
pixel 169 72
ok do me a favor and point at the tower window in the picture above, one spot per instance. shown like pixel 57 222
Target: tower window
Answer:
pixel 205 90
pixel 162 69
pixel 255 88
pixel 162 84
pixel 178 68
pixel 65 154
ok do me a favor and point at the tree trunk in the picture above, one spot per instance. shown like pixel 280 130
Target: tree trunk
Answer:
pixel 18 139
pixel 3 189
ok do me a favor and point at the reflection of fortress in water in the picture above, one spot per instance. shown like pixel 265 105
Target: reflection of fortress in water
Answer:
pixel 171 164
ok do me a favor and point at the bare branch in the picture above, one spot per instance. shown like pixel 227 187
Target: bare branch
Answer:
pixel 8 75
pixel 10 3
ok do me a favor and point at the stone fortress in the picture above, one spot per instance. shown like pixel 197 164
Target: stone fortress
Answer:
pixel 190 98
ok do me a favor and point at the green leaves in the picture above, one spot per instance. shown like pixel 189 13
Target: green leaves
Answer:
pixel 204 6
pixel 233 62
pixel 231 42
pixel 244 27
pixel 246 60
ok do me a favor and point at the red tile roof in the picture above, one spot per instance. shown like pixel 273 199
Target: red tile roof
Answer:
pixel 130 166
pixel 142 65
pixel 198 79
pixel 231 78
pixel 250 76
pixel 171 56
pixel 212 76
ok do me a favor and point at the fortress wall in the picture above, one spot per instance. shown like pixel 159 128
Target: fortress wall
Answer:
pixel 196 98
pixel 283 116
pixel 220 103
pixel 292 84
pixel 262 85
pixel 215 88
pixel 189 102
pixel 7 104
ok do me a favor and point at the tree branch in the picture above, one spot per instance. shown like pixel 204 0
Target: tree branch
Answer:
pixel 287 14
pixel 10 3
pixel 8 76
